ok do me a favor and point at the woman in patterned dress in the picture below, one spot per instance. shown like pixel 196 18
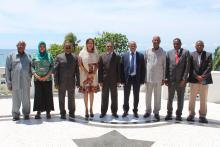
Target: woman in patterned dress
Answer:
pixel 88 62
pixel 42 68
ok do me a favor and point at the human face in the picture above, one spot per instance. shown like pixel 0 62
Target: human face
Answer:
pixel 21 47
pixel 132 46
pixel 199 46
pixel 90 46
pixel 156 42
pixel 109 47
pixel 177 44
pixel 42 48
pixel 67 47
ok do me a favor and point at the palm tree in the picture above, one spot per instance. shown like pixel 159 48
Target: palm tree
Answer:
pixel 216 60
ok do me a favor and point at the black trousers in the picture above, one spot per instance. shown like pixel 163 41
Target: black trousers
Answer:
pixel 105 97
pixel 132 81
pixel 172 87
pixel 71 99
pixel 43 97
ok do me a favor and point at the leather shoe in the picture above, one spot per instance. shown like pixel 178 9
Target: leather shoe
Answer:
pixel 26 117
pixel 157 117
pixel 136 115
pixel 125 114
pixel 38 115
pixel 63 116
pixel 102 115
pixel 203 120
pixel 16 118
pixel 146 115
pixel 178 118
pixel 168 117
pixel 72 115
pixel 115 115
pixel 190 118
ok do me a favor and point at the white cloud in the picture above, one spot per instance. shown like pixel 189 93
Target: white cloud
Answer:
pixel 139 19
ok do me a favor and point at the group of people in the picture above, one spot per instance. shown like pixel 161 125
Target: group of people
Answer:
pixel 91 72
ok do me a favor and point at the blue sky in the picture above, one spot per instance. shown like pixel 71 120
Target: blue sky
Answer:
pixel 140 20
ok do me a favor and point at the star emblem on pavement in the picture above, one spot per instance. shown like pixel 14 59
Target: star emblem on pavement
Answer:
pixel 112 139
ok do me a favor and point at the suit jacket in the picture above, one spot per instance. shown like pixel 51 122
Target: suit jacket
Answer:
pixel 155 61
pixel 204 69
pixel 66 70
pixel 177 72
pixel 109 70
pixel 140 67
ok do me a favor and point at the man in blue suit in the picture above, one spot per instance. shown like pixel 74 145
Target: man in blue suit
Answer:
pixel 132 74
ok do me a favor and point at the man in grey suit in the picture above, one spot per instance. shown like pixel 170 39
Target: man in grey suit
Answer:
pixel 199 78
pixel 177 69
pixel 66 76
pixel 109 78
pixel 18 78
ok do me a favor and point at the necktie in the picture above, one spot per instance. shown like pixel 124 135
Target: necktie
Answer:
pixel 132 63
pixel 177 57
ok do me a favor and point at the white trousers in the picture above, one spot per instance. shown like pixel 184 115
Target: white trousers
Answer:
pixel 150 89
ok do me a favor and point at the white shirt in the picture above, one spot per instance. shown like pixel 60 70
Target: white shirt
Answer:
pixel 199 58
pixel 134 73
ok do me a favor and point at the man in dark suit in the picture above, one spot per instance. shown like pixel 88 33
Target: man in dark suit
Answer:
pixel 66 76
pixel 177 69
pixel 132 74
pixel 199 78
pixel 109 78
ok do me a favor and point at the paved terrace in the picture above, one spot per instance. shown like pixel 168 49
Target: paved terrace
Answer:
pixel 108 132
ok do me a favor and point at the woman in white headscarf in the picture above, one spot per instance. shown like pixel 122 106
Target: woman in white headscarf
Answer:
pixel 88 62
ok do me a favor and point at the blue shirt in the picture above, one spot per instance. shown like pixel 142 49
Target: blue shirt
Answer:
pixel 134 73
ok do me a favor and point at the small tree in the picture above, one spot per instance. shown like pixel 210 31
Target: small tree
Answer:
pixel 216 60
pixel 120 41
pixel 56 49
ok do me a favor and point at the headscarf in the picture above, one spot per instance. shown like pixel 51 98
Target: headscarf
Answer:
pixel 88 58
pixel 45 55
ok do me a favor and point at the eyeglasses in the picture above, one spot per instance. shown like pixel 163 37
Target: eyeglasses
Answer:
pixel 67 47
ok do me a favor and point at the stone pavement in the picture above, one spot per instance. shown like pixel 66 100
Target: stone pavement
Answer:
pixel 108 132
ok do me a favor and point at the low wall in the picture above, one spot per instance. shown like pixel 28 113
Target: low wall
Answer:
pixel 213 93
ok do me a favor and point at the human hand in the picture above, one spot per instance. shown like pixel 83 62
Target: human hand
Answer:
pixel 162 82
pixel 10 88
pixel 101 84
pixel 118 84
pixel 166 82
pixel 182 83
pixel 56 86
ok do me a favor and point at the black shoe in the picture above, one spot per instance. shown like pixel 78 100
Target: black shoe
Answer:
pixel 136 115
pixel 48 115
pixel 72 115
pixel 125 114
pixel 16 118
pixel 26 117
pixel 63 116
pixel 146 115
pixel 190 118
pixel 102 115
pixel 178 118
pixel 38 115
pixel 168 117
pixel 91 115
pixel 115 115
pixel 157 117
pixel 86 116
pixel 203 120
